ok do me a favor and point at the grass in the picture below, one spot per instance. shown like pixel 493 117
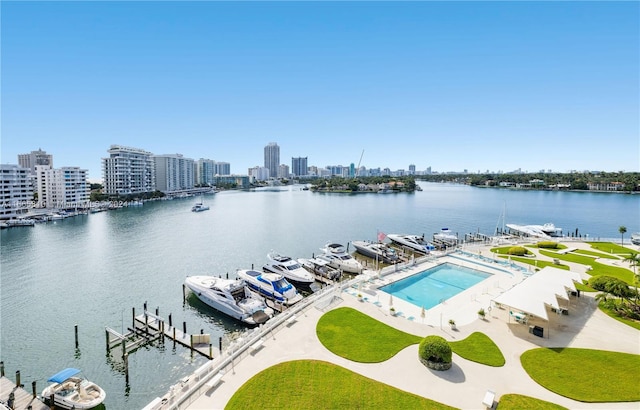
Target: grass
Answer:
pixel 358 337
pixel 595 254
pixel 596 267
pixel 586 375
pixel 518 402
pixel 610 247
pixel 479 348
pixel 313 384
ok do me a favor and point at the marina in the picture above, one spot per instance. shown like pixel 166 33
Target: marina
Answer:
pixel 104 262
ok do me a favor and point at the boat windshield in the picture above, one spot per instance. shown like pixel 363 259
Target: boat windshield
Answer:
pixel 281 285
pixel 345 257
pixel 294 266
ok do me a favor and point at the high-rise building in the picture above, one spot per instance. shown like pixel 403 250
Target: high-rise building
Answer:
pixel 205 171
pixel 299 166
pixel 272 158
pixel 283 171
pixel 34 158
pixel 173 172
pixel 259 173
pixel 412 169
pixel 62 188
pixel 16 191
pixel 222 168
pixel 128 171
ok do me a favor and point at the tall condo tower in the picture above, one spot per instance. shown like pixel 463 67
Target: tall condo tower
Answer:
pixel 34 158
pixel 299 166
pixel 128 171
pixel 272 159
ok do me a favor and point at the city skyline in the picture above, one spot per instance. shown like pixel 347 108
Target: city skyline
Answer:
pixel 479 86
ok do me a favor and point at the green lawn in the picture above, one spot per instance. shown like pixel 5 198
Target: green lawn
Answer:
pixel 519 402
pixel 597 268
pixel 586 375
pixel 595 254
pixel 610 247
pixel 312 384
pixel 479 348
pixel 358 337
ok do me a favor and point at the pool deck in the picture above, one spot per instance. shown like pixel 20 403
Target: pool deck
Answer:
pixel 465 384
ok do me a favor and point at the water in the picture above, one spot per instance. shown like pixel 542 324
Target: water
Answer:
pixel 429 287
pixel 92 270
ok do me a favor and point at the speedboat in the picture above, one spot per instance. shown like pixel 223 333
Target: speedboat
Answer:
pixel 635 238
pixel 413 242
pixel 288 268
pixel 199 207
pixel 339 258
pixel 231 297
pixel 71 391
pixel 375 250
pixel 445 237
pixel 320 267
pixel 273 286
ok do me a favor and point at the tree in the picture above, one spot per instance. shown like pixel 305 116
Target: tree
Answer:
pixel 622 230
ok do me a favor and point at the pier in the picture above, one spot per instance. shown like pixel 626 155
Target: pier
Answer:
pixel 15 397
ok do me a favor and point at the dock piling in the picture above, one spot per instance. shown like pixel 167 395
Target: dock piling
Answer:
pixel 220 343
pixel 184 327
pixel 2 369
pixel 33 389
pixel 17 378
pixel 170 321
pixel 76 334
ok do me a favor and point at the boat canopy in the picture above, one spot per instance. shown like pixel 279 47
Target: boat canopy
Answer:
pixel 63 375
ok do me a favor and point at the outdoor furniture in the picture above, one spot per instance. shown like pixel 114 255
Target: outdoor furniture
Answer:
pixel 488 399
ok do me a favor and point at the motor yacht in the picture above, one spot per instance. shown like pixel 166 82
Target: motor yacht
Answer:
pixel 376 250
pixel 339 258
pixel 231 297
pixel 289 268
pixel 71 391
pixel 199 207
pixel 413 242
pixel 635 238
pixel 320 267
pixel 273 286
pixel 445 238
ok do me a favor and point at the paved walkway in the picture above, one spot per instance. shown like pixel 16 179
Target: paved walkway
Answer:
pixel 464 385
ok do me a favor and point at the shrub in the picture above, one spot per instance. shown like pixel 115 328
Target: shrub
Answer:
pixel 615 286
pixel 517 251
pixel 435 349
pixel 548 245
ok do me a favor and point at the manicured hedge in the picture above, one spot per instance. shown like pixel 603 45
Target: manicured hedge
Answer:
pixel 435 349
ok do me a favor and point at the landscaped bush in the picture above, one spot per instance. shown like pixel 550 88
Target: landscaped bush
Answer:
pixel 517 251
pixel 435 353
pixel 612 285
pixel 548 245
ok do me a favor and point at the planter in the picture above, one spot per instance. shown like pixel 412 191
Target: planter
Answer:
pixel 392 312
pixel 453 327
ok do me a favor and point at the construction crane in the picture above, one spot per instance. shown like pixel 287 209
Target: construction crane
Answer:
pixel 358 168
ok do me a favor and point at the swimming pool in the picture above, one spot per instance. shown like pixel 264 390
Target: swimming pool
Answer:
pixel 429 287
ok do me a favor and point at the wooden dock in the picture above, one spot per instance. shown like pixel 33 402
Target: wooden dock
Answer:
pixel 22 399
pixel 154 326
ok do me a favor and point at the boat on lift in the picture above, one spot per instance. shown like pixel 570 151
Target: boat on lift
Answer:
pixel 272 286
pixel 320 267
pixel 71 391
pixel 413 242
pixel 231 297
pixel 376 250
pixel 339 258
pixel 289 268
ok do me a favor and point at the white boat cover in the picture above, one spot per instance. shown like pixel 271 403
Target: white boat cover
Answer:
pixel 540 290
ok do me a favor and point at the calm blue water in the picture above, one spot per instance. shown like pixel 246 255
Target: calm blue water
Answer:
pixel 429 287
pixel 92 270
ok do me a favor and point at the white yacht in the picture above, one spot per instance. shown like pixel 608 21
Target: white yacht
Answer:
pixel 551 230
pixel 273 286
pixel 635 238
pixel 70 391
pixel 339 258
pixel 445 237
pixel 231 297
pixel 320 267
pixel 199 207
pixel 375 250
pixel 413 242
pixel 288 268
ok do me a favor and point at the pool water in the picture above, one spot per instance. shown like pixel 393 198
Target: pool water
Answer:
pixel 428 288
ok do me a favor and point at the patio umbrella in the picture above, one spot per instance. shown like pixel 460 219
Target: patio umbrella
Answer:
pixel 390 300
pixel 422 313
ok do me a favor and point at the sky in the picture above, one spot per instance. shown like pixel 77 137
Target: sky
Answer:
pixel 476 86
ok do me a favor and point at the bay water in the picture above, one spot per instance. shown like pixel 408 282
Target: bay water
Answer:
pixel 91 270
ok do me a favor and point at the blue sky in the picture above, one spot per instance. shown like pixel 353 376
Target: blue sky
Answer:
pixel 448 85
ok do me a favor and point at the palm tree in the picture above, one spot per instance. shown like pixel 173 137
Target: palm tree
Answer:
pixel 622 230
pixel 634 261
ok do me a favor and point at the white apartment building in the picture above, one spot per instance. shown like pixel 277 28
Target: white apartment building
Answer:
pixel 174 172
pixel 62 188
pixel 128 171
pixel 258 173
pixel 16 191
pixel 283 171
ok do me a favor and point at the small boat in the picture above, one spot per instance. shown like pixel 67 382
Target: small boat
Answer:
pixel 199 207
pixel 339 258
pixel 551 230
pixel 320 267
pixel 288 268
pixel 635 238
pixel 231 297
pixel 375 250
pixel 273 286
pixel 413 242
pixel 70 391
